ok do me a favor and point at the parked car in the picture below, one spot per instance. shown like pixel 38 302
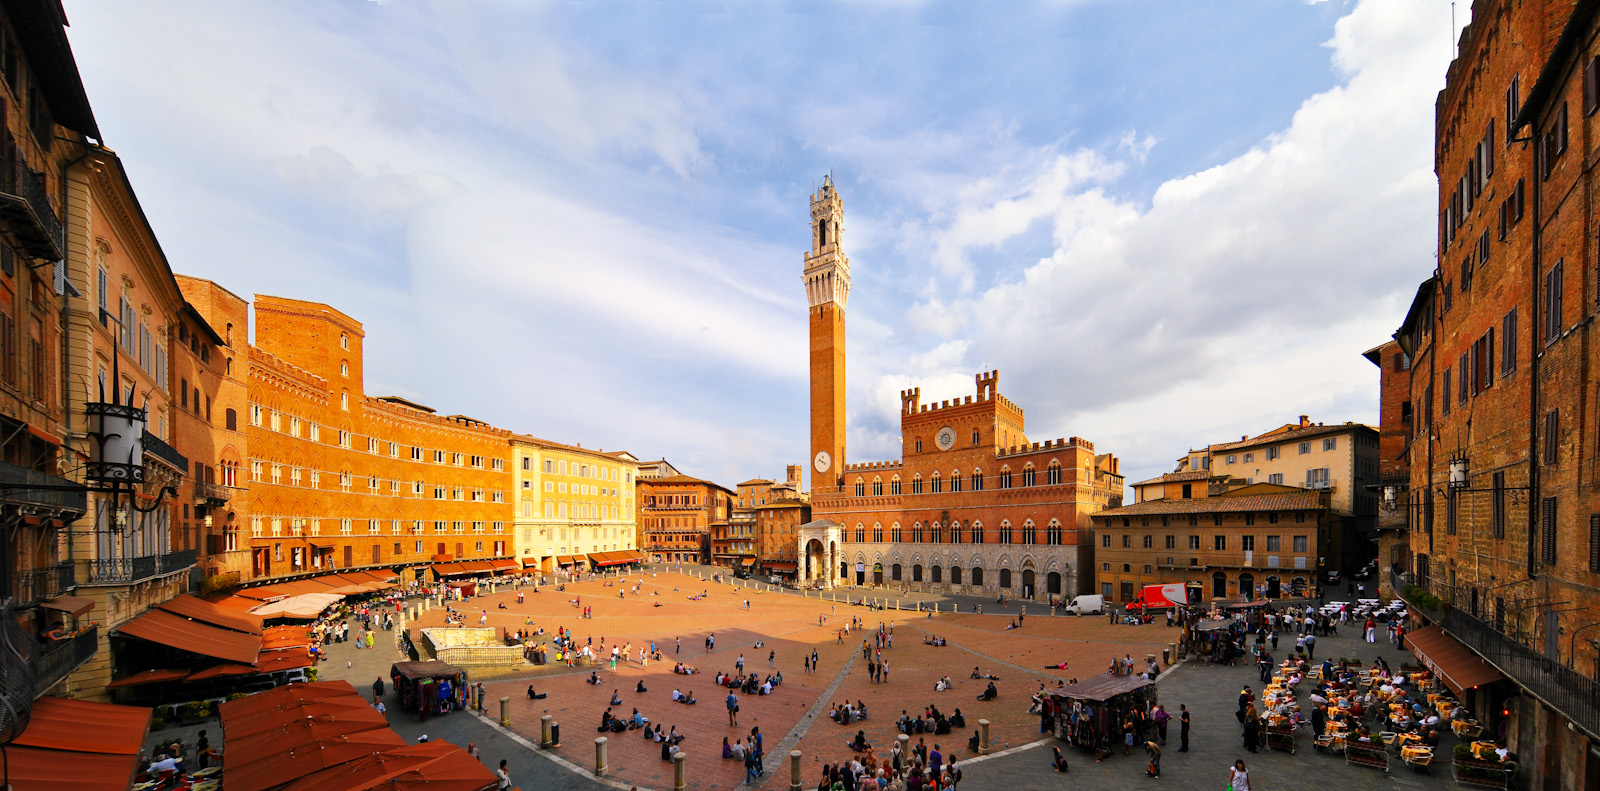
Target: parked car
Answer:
pixel 1330 577
pixel 1366 572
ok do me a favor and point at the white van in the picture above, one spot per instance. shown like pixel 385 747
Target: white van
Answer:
pixel 1087 604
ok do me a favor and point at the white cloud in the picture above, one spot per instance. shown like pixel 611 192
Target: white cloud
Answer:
pixel 1239 298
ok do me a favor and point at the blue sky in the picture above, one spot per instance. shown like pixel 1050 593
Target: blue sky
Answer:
pixel 1166 223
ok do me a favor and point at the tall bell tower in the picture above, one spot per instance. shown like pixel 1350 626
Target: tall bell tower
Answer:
pixel 827 279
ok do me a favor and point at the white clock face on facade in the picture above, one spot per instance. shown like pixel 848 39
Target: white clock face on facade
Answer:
pixel 823 461
pixel 946 438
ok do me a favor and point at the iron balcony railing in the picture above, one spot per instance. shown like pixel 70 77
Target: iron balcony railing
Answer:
pixel 56 662
pixel 129 570
pixel 1570 692
pixel 154 445
pixel 16 487
pixel 25 208
pixel 214 492
pixel 35 585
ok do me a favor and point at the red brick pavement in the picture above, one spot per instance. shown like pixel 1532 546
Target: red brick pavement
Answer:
pixel 788 625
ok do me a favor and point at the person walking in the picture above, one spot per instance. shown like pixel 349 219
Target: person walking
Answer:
pixel 733 709
pixel 1161 718
pixel 1371 631
pixel 677 645
pixel 1311 645
pixel 1238 777
pixel 1183 728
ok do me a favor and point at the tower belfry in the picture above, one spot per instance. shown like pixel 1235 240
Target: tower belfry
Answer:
pixel 827 282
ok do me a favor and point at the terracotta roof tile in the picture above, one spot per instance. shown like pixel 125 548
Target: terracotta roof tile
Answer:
pixel 1286 501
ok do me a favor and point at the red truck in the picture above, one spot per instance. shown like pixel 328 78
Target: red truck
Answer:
pixel 1172 594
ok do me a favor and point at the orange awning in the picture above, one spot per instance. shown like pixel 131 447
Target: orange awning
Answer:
pixel 289 660
pixel 283 696
pixel 31 768
pixel 222 670
pixel 1455 664
pixel 527 562
pixel 85 727
pixel 43 435
pixel 408 765
pixel 505 564
pixel 478 566
pixel 202 610
pixel 71 605
pixel 257 764
pixel 160 626
pixel 148 677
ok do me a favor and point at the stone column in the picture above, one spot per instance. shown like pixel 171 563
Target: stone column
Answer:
pixel 794 770
pixel 983 737
pixel 505 712
pixel 677 771
pixel 600 757
pixel 545 739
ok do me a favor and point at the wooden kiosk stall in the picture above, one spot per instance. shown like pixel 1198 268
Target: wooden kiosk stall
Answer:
pixel 1103 703
pixel 430 687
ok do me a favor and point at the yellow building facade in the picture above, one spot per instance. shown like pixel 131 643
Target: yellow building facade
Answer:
pixel 574 506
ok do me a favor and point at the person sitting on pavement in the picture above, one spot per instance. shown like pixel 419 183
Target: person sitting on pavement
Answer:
pixel 859 743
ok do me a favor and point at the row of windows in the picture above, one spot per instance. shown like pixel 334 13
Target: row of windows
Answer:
pixel 1219 543
pixel 955 533
pixel 581 470
pixel 563 510
pixel 260 416
pixel 310 526
pixel 297 554
pixel 263 471
pixel 1271 518
pixel 975 482
pixel 563 487
pixel 1271 453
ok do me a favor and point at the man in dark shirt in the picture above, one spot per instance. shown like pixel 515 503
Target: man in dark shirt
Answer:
pixel 1183 729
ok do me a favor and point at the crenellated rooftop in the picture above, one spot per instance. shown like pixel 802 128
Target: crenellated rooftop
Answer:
pixel 1049 445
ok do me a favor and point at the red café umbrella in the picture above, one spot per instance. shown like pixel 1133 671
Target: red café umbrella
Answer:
pixel 279 761
pixel 299 722
pixel 455 771
pixel 275 698
pixel 438 761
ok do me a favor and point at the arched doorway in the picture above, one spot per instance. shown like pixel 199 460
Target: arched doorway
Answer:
pixel 977 576
pixel 861 573
pixel 938 575
pixel 844 569
pixel 816 562
pixel 916 572
pixel 1274 587
pixel 877 574
pixel 955 575
pixel 894 572
pixel 1247 586
pixel 1297 586
pixel 1005 578
pixel 1027 584
pixel 1052 583
pixel 1219 586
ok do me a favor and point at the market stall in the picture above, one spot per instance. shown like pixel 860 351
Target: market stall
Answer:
pixel 1089 714
pixel 430 687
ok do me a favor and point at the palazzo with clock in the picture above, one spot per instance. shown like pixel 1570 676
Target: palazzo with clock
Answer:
pixel 971 507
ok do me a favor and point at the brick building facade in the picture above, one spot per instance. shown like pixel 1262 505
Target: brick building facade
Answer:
pixel 1255 541
pixel 208 426
pixel 340 479
pixel 972 505
pixel 1502 496
pixel 572 503
pixel 676 515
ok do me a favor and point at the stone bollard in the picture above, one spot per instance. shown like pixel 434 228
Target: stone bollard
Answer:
pixel 505 712
pixel 545 739
pixel 677 771
pixel 983 737
pixel 600 757
pixel 905 747
pixel 794 770
pixel 427 604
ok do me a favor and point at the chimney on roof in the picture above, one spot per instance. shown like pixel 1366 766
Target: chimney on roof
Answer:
pixel 1305 420
pixel 1243 437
